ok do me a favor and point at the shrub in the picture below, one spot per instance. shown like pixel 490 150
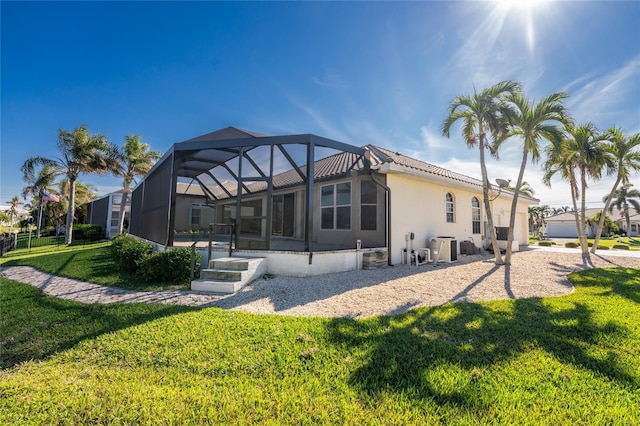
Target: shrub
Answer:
pixel 129 252
pixel 545 243
pixel 87 231
pixel 621 246
pixel 168 266
pixel 571 245
pixel 603 247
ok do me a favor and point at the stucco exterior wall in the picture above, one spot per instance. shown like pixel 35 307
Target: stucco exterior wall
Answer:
pixel 418 207
pixel 184 205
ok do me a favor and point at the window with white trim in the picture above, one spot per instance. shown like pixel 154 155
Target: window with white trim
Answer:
pixel 115 218
pixel 450 208
pixel 475 215
pixel 335 203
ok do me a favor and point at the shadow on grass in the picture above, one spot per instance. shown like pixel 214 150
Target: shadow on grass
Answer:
pixel 624 282
pixel 403 350
pixel 34 326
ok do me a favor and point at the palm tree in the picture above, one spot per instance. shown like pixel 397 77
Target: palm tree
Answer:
pixel 84 194
pixel 537 214
pixel 533 123
pixel 626 159
pixel 37 185
pixel 13 211
pixel 135 159
pixel 525 189
pixel 482 114
pixel 621 199
pixel 80 152
pixel 580 155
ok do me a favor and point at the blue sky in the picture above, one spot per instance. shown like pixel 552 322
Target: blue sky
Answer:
pixel 358 72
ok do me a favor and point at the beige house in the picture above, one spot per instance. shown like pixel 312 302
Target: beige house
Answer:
pixel 318 201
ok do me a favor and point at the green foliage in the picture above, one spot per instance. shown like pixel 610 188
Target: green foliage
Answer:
pixel 168 266
pixel 547 361
pixel 601 247
pixel 571 244
pixel 620 246
pixel 545 243
pixel 87 231
pixel 129 252
pixel 91 262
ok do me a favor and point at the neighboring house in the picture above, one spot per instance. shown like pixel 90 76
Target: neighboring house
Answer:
pixel 311 196
pixel 22 214
pixel 105 211
pixel 634 219
pixel 563 225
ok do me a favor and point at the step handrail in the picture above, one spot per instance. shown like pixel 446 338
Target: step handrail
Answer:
pixel 230 226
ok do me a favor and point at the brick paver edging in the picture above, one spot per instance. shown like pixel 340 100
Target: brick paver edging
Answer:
pixel 79 291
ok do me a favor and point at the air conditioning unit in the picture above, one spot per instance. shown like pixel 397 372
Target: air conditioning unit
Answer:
pixel 447 248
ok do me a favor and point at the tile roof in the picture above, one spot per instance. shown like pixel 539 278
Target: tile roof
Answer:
pixel 382 156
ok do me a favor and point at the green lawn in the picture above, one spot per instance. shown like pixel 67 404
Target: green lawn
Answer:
pixel 629 243
pixel 92 262
pixel 568 360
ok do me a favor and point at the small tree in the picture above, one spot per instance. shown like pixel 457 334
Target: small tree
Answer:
pixel 484 117
pixel 626 159
pixel 37 185
pixel 80 152
pixel 623 199
pixel 577 157
pixel 134 159
pixel 13 211
pixel 532 122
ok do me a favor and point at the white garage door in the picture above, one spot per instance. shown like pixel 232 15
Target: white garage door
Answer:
pixel 562 230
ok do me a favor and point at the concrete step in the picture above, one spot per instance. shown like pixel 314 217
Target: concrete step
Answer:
pixel 219 287
pixel 223 274
pixel 228 275
pixel 234 263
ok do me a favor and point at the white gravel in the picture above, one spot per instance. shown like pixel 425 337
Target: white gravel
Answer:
pixel 536 272
pixel 361 294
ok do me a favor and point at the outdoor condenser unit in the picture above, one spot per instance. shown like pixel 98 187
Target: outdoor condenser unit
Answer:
pixel 447 246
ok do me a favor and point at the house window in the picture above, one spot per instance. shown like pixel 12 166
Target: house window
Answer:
pixel 196 212
pixel 368 205
pixel 475 215
pixel 335 203
pixel 115 218
pixel 450 208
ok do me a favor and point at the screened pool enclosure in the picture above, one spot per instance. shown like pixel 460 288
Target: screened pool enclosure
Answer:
pixel 293 192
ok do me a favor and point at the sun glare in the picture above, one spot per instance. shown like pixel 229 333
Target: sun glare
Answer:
pixel 520 4
pixel 526 9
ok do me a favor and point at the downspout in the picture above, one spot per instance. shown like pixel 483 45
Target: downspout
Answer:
pixel 388 218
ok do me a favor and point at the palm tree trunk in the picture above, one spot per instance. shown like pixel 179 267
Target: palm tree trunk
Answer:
pixel 123 203
pixel 487 203
pixel 514 205
pixel 39 224
pixel 596 240
pixel 72 196
pixel 584 245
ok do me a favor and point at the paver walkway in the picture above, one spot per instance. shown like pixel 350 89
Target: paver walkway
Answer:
pixel 71 289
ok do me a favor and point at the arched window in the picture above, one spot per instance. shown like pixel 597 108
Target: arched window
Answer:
pixel 475 215
pixel 450 208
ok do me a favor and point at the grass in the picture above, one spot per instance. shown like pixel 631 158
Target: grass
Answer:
pixel 631 243
pixel 568 360
pixel 92 262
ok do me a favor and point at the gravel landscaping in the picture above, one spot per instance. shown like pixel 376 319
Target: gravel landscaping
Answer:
pixel 366 293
